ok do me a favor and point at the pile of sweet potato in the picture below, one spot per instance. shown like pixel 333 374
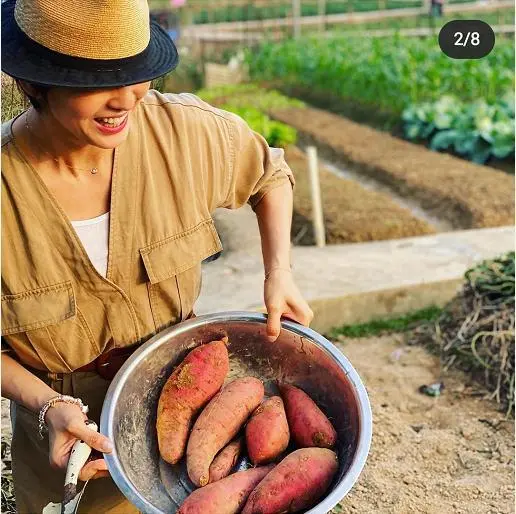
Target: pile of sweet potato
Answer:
pixel 213 423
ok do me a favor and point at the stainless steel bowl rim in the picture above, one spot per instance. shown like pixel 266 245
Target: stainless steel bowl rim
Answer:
pixel 364 442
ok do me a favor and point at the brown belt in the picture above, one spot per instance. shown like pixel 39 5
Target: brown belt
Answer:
pixel 107 364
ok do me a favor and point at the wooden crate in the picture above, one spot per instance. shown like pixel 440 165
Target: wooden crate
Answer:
pixel 221 74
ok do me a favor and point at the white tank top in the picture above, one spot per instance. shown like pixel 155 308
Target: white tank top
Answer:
pixel 94 235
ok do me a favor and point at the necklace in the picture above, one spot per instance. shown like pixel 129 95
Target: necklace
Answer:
pixel 93 171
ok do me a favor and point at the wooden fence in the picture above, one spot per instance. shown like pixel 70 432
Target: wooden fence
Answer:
pixel 343 18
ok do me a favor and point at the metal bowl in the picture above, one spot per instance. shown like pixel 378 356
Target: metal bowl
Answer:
pixel 300 356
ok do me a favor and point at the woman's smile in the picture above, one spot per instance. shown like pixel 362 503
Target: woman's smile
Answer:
pixel 112 125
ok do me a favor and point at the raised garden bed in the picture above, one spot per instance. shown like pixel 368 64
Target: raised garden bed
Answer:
pixel 455 194
pixel 465 194
pixel 376 81
pixel 351 212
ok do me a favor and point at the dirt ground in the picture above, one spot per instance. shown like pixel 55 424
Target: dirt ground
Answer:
pixel 466 194
pixel 452 454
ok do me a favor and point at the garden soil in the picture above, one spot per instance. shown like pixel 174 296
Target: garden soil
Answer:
pixel 451 454
pixel 351 212
pixel 466 194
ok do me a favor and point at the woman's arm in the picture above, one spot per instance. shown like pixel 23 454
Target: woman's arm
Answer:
pixel 65 421
pixel 281 295
pixel 259 175
pixel 22 387
pixel 274 214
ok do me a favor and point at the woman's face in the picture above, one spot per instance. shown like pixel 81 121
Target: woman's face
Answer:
pixel 98 117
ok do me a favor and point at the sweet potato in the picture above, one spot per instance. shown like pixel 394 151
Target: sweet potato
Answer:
pixel 226 496
pixel 226 459
pixel 191 386
pixel 308 425
pixel 295 484
pixel 218 423
pixel 267 432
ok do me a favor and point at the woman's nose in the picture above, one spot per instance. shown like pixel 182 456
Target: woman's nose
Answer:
pixel 124 98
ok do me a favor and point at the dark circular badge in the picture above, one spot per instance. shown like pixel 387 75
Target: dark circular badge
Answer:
pixel 466 39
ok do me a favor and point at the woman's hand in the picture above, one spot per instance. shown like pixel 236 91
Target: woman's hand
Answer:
pixel 65 425
pixel 282 298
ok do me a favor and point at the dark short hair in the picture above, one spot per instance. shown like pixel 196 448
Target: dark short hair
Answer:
pixel 35 102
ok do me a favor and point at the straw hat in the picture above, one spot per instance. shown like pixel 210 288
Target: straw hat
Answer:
pixel 84 43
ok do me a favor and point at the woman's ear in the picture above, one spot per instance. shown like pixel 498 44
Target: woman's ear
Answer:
pixel 36 94
pixel 28 89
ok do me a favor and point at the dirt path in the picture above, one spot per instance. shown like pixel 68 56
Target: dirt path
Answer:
pixel 453 454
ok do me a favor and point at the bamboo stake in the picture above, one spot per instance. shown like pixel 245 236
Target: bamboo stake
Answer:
pixel 317 212
pixel 321 9
pixel 296 15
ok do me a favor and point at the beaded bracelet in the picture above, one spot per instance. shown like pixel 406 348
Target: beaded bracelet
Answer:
pixel 42 426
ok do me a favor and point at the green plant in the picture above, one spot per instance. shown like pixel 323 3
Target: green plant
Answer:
pixel 502 16
pixel 476 130
pixel 388 73
pixel 475 332
pixel 494 278
pixel 276 133
pixel 230 90
pixel 249 95
pixel 252 103
pixel 283 10
pixel 379 326
pixel 187 76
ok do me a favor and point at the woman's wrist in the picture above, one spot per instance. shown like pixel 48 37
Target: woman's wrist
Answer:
pixel 58 399
pixel 277 269
pixel 43 398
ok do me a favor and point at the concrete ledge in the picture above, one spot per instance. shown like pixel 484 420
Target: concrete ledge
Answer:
pixel 364 307
pixel 356 282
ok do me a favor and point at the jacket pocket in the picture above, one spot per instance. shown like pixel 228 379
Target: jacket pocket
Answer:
pixel 48 319
pixel 37 308
pixel 173 267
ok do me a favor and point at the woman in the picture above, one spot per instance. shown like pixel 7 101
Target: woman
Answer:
pixel 108 190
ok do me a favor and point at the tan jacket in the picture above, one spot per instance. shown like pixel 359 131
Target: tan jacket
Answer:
pixel 181 160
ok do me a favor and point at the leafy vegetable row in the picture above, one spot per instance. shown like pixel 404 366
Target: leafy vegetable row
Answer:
pixel 476 130
pixel 251 103
pixel 254 12
pixel 387 73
